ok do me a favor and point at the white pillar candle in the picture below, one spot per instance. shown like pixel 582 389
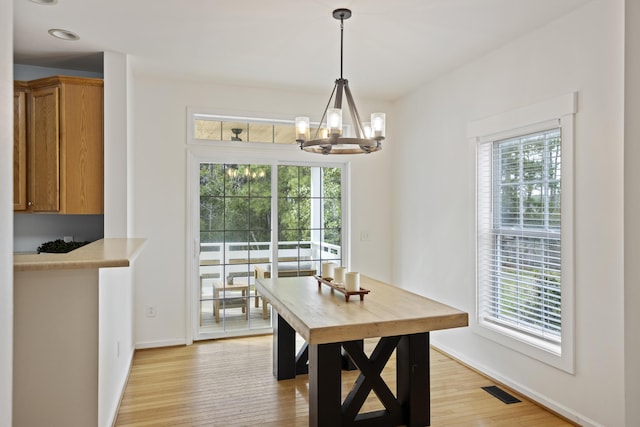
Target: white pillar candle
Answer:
pixel 352 281
pixel 338 273
pixel 327 269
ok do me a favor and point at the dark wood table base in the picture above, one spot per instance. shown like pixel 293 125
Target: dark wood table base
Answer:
pixel 411 407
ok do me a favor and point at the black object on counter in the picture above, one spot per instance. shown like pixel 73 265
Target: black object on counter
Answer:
pixel 59 246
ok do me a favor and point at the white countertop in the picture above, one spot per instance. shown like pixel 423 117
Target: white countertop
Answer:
pixel 102 253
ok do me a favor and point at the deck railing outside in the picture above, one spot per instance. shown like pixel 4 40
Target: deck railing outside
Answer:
pixel 218 260
pixel 225 265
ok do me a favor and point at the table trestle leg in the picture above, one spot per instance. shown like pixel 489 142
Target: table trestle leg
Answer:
pixel 325 382
pixel 411 407
pixel 370 380
pixel 284 348
pixel 412 376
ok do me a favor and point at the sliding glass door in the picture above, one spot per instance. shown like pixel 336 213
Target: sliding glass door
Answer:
pixel 261 220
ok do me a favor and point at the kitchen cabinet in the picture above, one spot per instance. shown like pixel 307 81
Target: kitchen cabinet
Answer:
pixel 65 166
pixel 20 147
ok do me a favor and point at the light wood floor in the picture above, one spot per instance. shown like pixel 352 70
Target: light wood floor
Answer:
pixel 230 383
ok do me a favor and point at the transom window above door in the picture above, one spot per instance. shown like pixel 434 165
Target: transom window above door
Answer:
pixel 240 129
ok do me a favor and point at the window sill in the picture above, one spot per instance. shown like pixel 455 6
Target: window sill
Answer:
pixel 543 351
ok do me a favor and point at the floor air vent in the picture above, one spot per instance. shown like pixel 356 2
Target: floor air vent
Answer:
pixel 500 394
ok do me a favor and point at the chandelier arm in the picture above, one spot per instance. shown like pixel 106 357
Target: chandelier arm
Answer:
pixel 324 113
pixel 355 116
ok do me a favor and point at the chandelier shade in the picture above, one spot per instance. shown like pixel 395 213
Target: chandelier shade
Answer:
pixel 328 138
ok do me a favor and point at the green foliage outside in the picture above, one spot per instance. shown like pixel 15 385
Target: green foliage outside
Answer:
pixel 529 291
pixel 529 183
pixel 526 280
pixel 235 203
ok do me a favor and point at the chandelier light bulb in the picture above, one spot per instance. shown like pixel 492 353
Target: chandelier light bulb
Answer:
pixel 334 120
pixel 378 124
pixel 367 130
pixel 302 128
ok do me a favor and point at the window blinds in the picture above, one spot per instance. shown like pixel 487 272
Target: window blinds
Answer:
pixel 519 248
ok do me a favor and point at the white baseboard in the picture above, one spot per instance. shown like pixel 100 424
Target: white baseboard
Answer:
pixel 538 398
pixel 163 343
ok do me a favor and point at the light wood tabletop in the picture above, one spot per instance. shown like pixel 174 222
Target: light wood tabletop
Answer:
pixel 322 316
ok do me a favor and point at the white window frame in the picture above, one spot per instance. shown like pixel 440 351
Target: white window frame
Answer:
pixel 207 151
pixel 554 113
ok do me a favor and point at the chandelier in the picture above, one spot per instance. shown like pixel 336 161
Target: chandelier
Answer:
pixel 328 138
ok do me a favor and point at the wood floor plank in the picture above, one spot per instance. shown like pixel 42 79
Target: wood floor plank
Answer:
pixel 229 383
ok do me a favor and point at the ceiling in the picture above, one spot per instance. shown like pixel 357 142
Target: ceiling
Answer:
pixel 390 47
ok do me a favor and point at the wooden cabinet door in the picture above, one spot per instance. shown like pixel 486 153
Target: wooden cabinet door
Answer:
pixel 81 149
pixel 19 150
pixel 43 147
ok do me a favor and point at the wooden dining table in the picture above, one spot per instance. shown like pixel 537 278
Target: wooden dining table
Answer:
pixel 334 330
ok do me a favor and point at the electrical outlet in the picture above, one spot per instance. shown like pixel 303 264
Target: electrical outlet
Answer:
pixel 151 311
pixel 364 236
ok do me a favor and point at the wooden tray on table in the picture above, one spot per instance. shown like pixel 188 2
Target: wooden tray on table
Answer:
pixel 340 288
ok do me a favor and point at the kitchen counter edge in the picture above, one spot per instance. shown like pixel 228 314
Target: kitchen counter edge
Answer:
pixel 103 253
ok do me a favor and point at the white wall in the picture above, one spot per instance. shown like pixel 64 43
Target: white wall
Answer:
pixel 116 345
pixel 632 211
pixel 116 143
pixel 161 199
pixel 6 210
pixel 434 224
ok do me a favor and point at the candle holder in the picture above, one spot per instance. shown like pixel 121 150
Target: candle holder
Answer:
pixel 340 288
